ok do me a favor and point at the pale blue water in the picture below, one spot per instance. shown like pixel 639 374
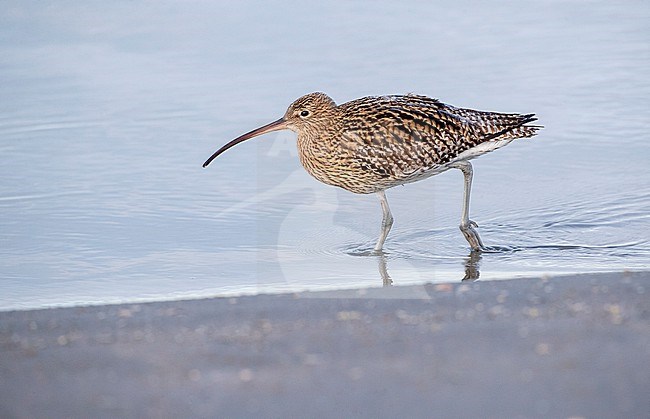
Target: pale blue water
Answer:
pixel 107 111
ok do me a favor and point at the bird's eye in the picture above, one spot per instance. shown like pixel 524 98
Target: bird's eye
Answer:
pixel 304 113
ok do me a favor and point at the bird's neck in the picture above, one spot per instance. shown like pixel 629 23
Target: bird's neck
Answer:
pixel 319 137
pixel 318 150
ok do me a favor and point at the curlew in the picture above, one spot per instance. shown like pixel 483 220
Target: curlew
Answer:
pixel 371 144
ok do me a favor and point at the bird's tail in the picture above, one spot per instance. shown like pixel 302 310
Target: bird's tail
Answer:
pixel 501 126
pixel 497 126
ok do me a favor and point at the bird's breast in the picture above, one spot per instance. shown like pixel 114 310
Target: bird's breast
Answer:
pixel 340 162
pixel 320 157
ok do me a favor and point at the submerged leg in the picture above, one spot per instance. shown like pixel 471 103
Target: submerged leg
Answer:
pixel 466 225
pixel 386 223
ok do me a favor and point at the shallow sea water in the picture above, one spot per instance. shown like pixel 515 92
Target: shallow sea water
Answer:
pixel 107 112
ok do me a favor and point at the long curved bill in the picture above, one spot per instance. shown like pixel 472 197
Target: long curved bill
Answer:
pixel 280 124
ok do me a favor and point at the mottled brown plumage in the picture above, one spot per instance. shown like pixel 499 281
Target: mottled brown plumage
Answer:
pixel 374 143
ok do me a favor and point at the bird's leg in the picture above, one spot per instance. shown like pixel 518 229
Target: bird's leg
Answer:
pixel 386 223
pixel 467 226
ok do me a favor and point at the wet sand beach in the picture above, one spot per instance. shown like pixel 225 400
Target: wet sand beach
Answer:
pixel 575 346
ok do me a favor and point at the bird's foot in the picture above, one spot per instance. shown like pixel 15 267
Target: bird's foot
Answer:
pixel 377 252
pixel 472 236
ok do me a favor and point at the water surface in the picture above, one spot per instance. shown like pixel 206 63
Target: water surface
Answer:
pixel 108 110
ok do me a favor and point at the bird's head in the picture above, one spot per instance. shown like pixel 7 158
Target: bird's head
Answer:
pixel 308 114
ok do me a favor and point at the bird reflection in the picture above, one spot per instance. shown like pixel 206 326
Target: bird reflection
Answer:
pixel 387 281
pixel 471 268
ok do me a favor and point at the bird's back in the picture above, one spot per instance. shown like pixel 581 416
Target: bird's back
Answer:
pixel 392 140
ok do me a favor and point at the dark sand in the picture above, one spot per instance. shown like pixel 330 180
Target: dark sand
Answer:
pixel 562 347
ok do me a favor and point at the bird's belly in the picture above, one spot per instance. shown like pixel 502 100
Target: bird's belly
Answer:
pixel 350 172
pixel 353 176
pixel 356 175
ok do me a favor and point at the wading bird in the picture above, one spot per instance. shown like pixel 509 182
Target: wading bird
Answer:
pixel 371 144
